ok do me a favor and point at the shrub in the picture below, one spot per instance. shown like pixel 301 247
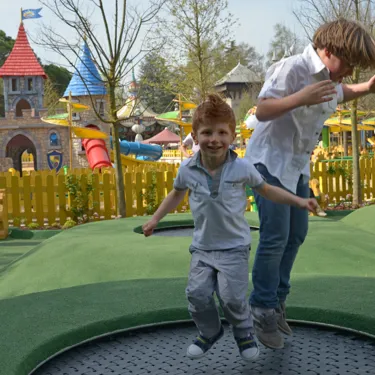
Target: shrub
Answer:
pixel 69 224
pixel 33 226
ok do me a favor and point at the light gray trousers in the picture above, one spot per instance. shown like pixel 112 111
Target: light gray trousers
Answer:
pixel 225 272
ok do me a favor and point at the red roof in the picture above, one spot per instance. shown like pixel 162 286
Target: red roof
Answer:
pixel 22 60
pixel 165 136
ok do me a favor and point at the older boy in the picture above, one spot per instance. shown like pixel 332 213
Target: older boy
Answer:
pixel 216 181
pixel 299 94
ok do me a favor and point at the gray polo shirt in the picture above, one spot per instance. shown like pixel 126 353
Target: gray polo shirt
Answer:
pixel 218 203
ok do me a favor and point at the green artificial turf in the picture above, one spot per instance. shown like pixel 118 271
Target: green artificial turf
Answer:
pixel 11 249
pixel 36 326
pixel 104 276
pixel 113 251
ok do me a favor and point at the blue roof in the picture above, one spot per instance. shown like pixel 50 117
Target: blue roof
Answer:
pixel 90 75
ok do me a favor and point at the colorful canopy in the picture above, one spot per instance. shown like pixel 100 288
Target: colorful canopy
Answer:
pixel 164 137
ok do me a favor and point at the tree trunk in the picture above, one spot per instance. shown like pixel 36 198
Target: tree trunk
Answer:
pixel 120 188
pixel 357 196
pixel 121 204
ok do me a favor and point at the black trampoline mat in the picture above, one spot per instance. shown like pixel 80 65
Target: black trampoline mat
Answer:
pixel 161 350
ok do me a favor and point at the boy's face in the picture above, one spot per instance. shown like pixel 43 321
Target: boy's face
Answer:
pixel 339 69
pixel 214 139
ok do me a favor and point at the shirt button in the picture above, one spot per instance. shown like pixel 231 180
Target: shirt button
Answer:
pixel 317 133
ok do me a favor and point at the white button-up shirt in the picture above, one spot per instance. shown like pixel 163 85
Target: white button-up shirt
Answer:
pixel 284 145
pixel 189 141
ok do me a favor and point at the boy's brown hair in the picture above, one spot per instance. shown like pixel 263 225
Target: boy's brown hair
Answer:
pixel 214 109
pixel 347 40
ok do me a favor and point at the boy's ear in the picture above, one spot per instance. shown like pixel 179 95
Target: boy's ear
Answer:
pixel 327 53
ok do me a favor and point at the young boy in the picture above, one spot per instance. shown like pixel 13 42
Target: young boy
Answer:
pixel 300 93
pixel 216 181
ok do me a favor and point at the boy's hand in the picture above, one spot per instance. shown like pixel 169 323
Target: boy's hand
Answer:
pixel 149 227
pixel 308 204
pixel 316 93
pixel 371 84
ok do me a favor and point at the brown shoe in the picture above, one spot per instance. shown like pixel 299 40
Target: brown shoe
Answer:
pixel 281 322
pixel 266 328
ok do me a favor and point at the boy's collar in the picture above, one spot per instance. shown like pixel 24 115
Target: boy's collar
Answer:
pixel 313 61
pixel 195 160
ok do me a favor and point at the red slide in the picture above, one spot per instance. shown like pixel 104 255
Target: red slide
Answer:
pixel 96 152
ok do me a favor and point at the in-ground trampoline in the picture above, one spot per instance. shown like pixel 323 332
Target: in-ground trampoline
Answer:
pixel 161 350
pixel 182 231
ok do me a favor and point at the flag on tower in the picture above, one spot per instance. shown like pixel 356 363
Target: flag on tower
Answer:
pixel 30 13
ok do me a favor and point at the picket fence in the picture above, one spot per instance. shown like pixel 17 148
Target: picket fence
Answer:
pixel 42 196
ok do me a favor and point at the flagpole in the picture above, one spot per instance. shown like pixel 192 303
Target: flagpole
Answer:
pixel 21 15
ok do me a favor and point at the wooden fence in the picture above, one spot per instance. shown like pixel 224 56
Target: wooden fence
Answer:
pixel 335 178
pixel 43 197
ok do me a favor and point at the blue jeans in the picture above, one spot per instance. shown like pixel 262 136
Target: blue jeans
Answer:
pixel 282 231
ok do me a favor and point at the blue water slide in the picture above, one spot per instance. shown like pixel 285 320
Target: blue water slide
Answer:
pixel 140 150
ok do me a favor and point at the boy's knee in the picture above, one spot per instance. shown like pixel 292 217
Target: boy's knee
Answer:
pixel 199 298
pixel 234 309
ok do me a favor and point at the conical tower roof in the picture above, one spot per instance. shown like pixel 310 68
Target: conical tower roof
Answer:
pixel 22 60
pixel 86 78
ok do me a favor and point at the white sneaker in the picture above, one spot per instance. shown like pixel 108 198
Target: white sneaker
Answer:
pixel 248 347
pixel 202 345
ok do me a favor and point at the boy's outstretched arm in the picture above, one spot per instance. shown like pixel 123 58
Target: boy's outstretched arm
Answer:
pixel 355 91
pixel 282 196
pixel 171 201
pixel 271 108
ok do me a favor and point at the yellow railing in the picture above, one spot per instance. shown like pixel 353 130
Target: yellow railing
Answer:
pixel 43 197
pixel 3 215
pixel 176 154
pixel 335 178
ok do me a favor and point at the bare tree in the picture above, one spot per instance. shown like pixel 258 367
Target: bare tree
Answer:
pixel 311 14
pixel 114 55
pixel 195 30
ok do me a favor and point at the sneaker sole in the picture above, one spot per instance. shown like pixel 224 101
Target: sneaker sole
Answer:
pixel 197 356
pixel 253 358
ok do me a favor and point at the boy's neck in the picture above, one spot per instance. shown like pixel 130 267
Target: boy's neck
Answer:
pixel 212 164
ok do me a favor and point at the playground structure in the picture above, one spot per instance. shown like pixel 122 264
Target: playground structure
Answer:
pixel 53 146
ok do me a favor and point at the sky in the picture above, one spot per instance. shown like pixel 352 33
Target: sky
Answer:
pixel 256 19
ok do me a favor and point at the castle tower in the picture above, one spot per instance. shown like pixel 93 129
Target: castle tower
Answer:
pixel 22 129
pixel 23 78
pixel 87 87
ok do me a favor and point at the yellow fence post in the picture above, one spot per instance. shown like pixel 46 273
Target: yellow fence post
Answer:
pixel 4 225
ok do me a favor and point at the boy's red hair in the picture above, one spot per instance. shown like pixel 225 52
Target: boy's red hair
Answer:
pixel 214 110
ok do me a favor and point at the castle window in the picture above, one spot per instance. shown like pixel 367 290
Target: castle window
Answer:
pixel 54 139
pixel 30 84
pixel 14 84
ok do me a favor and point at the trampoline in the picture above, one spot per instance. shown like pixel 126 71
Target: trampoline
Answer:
pixel 161 349
pixel 181 231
